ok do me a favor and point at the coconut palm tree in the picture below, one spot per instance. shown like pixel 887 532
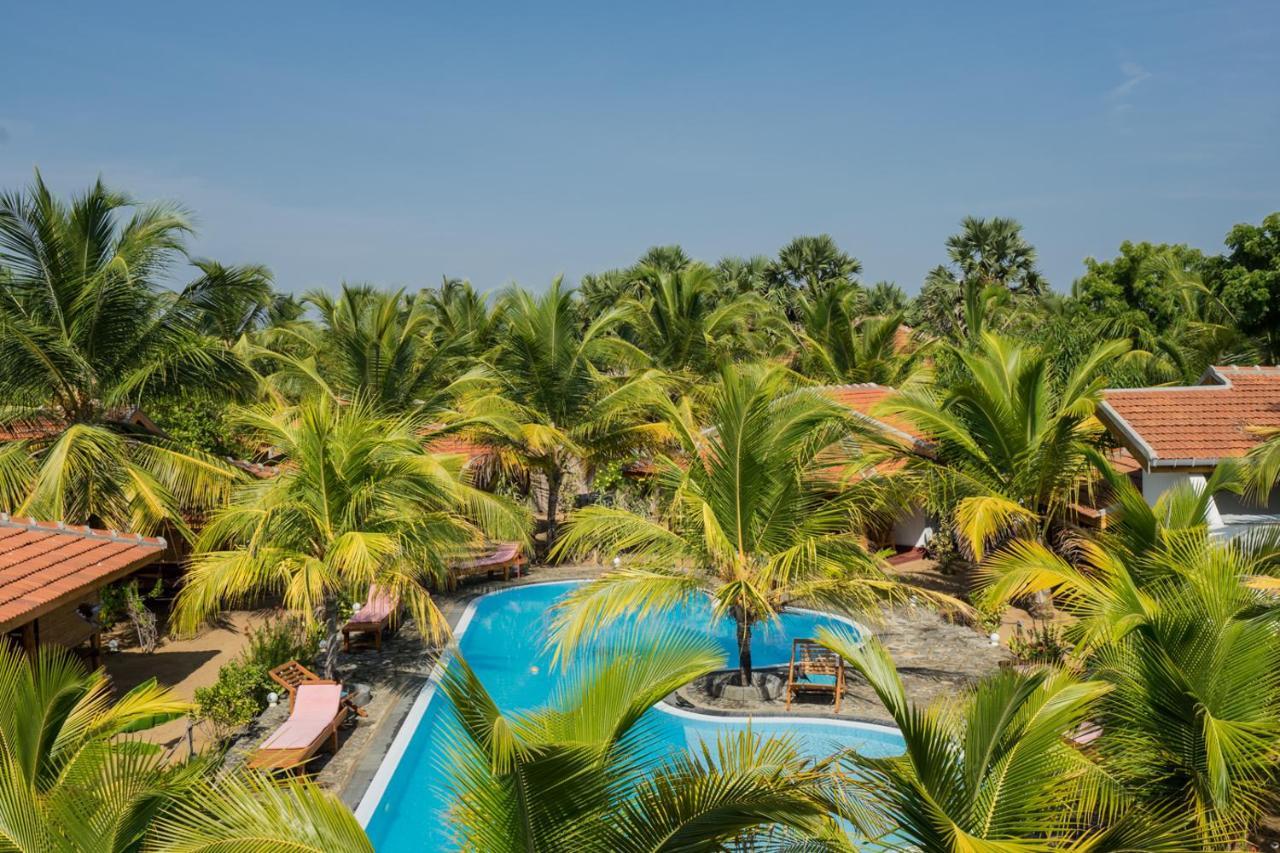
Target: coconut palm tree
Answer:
pixel 1193 724
pixel 1011 447
pixel 583 774
pixel 72 778
pixel 87 334
pixel 841 346
pixel 756 514
pixel 373 345
pixel 679 320
pixel 568 389
pixel 995 770
pixel 357 502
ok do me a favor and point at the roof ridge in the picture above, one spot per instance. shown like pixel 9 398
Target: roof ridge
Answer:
pixel 83 531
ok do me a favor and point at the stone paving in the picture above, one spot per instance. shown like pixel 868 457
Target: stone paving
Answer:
pixel 936 659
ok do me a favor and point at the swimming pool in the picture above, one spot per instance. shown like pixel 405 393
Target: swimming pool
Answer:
pixel 502 636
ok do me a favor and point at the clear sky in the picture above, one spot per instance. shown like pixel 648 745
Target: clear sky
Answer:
pixel 514 142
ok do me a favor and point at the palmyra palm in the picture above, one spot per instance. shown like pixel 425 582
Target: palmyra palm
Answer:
pixel 358 501
pixel 756 514
pixel 585 774
pixel 87 334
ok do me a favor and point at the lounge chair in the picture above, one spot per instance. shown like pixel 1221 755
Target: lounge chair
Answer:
pixel 316 710
pixel 293 675
pixel 376 615
pixel 504 557
pixel 814 669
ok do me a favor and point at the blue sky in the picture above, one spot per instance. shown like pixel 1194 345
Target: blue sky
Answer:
pixel 515 142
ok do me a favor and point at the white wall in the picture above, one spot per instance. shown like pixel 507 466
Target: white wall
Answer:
pixel 1155 484
pixel 913 530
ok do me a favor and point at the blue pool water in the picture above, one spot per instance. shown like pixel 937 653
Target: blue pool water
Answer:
pixel 505 644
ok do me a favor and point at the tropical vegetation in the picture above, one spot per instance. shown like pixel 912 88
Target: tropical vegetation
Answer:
pixel 299 451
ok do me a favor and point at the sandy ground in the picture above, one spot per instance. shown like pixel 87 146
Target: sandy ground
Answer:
pixel 183 665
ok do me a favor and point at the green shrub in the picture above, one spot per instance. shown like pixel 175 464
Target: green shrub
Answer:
pixel 281 640
pixel 234 699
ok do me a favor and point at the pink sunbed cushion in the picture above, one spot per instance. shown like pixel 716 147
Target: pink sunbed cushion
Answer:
pixel 505 553
pixel 314 710
pixel 379 607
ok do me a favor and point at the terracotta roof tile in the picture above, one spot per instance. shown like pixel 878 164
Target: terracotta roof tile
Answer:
pixel 1199 424
pixel 43 565
pixel 455 445
pixel 865 398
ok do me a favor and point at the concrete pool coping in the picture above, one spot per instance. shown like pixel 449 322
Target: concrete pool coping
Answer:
pixel 408 727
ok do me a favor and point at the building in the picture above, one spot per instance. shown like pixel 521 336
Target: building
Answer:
pixel 1181 434
pixel 51 575
pixel 913 529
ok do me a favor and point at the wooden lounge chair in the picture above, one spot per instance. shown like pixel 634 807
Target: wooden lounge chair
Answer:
pixel 504 557
pixel 293 675
pixel 316 709
pixel 374 617
pixel 814 669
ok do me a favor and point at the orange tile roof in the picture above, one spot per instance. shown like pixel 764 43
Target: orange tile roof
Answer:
pixel 44 565
pixel 455 445
pixel 1197 425
pixel 864 399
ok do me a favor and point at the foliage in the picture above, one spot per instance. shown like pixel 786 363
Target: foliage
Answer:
pixel 235 698
pixel 1248 280
pixel 1011 447
pixel 584 774
pixel 87 333
pixel 201 422
pixel 361 503
pixel 1044 644
pixel 755 511
pixel 997 772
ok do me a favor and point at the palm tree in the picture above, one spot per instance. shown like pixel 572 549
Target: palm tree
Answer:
pixel 87 334
pixel 357 502
pixel 884 298
pixel 743 275
pixel 996 770
pixel 756 515
pixel 808 265
pixel 994 252
pixel 552 372
pixel 582 773
pixel 373 345
pixel 840 346
pixel 679 320
pixel 1011 447
pixel 1193 724
pixel 72 778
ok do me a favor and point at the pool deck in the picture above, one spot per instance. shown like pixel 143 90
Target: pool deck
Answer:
pixel 936 659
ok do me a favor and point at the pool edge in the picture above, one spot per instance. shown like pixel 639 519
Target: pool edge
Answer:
pixel 373 794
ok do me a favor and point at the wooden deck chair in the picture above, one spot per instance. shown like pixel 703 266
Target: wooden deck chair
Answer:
pixel 504 557
pixel 316 710
pixel 293 675
pixel 374 617
pixel 814 669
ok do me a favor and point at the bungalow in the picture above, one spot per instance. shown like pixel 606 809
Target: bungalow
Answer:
pixel 913 529
pixel 51 575
pixel 1181 434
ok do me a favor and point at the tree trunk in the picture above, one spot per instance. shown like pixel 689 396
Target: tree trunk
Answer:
pixel 744 652
pixel 333 638
pixel 553 505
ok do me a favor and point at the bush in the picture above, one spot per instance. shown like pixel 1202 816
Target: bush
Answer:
pixel 234 699
pixel 240 692
pixel 1044 644
pixel 281 640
